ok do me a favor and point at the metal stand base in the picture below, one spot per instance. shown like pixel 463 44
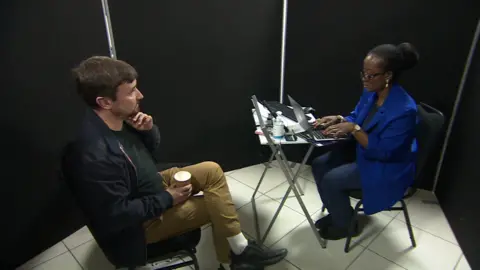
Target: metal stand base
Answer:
pixel 279 155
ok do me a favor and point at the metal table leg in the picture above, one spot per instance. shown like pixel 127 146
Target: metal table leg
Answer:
pixel 280 156
pixel 280 159
pixel 290 171
pixel 255 215
pixel 284 167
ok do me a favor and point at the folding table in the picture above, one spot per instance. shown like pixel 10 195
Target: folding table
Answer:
pixel 259 115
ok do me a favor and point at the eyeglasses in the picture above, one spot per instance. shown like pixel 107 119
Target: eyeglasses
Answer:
pixel 368 77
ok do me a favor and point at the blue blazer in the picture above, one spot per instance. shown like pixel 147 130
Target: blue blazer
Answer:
pixel 387 164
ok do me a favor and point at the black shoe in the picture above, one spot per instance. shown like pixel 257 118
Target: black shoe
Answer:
pixel 336 233
pixel 324 222
pixel 255 257
pixel 245 267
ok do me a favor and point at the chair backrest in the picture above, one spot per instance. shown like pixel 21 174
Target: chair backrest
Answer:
pixel 428 133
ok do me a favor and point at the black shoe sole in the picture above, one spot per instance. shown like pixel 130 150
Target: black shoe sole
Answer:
pixel 246 267
pixel 259 265
pixel 329 237
pixel 275 260
pixel 324 234
pixel 323 222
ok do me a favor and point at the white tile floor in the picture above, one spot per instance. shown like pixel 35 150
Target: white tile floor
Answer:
pixel 383 244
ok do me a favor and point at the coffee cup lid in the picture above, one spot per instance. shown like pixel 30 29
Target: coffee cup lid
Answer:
pixel 182 176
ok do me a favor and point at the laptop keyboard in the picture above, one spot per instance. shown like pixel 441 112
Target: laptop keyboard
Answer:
pixel 318 135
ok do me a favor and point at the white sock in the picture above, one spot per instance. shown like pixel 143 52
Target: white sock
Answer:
pixel 226 266
pixel 238 243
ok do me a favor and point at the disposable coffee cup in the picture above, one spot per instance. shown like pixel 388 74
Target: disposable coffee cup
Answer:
pixel 182 178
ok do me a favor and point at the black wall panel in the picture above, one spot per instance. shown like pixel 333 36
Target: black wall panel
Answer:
pixel 199 63
pixel 39 44
pixel 458 184
pixel 327 41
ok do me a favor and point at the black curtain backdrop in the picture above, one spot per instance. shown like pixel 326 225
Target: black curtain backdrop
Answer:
pixel 40 42
pixel 327 41
pixel 199 63
pixel 458 184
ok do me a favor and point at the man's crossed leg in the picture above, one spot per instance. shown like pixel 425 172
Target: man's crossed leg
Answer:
pixel 216 207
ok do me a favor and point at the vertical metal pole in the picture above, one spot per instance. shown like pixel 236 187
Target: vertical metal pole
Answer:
pixel 284 43
pixel 457 102
pixel 108 28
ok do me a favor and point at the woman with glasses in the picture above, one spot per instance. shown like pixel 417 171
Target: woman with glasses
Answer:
pixel 382 163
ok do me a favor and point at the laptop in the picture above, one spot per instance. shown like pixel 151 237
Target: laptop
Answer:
pixel 263 127
pixel 309 133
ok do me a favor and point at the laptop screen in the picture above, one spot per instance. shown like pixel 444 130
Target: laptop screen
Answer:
pixel 299 114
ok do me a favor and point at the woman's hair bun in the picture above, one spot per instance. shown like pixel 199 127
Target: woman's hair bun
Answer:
pixel 409 55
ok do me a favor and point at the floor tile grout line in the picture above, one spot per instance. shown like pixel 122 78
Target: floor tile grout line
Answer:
pixel 423 230
pixel 280 200
pixel 301 173
pixel 298 268
pixel 40 263
pixel 287 233
pixel 259 187
pixel 356 258
pixel 273 187
pixel 293 229
pixel 285 205
pixel 75 258
pixel 83 244
pixel 300 212
pixel 250 202
pixel 241 182
pixel 379 233
pixel 366 247
pixel 250 198
pixel 458 261
pixel 276 200
pixel 387 259
pixel 394 217
pixel 70 249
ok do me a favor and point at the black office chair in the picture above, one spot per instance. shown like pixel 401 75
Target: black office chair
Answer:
pixel 428 132
pixel 182 246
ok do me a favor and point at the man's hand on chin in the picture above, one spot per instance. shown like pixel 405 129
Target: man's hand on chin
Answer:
pixel 141 121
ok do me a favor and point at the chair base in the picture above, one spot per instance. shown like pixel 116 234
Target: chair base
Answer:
pixel 357 209
pixel 179 254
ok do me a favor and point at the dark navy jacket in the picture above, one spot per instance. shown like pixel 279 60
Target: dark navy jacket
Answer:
pixel 104 182
pixel 387 165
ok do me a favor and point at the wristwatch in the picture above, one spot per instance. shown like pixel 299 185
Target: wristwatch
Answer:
pixel 356 129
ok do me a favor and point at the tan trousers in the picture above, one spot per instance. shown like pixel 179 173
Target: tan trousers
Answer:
pixel 214 207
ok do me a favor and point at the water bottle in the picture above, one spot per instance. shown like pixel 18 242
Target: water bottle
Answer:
pixel 278 127
pixel 270 121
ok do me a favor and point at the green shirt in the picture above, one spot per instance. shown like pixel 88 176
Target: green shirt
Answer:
pixel 149 180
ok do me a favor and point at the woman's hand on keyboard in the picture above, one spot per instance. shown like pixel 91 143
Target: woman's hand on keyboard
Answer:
pixel 326 121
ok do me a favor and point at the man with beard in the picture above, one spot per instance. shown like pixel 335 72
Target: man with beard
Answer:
pixel 126 200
